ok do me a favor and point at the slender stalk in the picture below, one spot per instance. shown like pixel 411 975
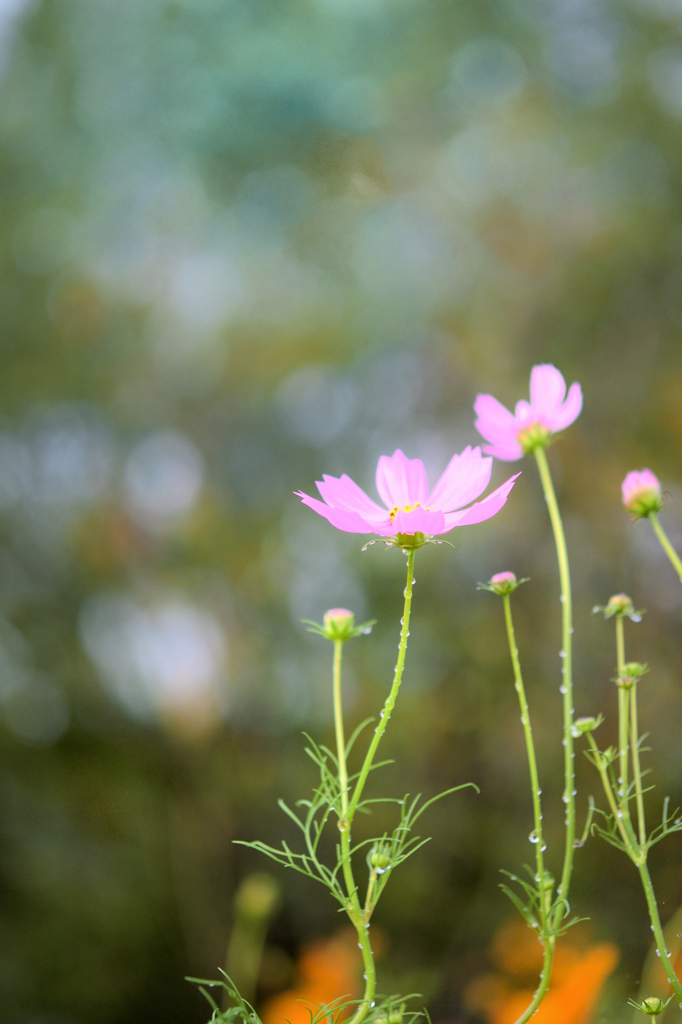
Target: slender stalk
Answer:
pixel 636 770
pixel 344 823
pixel 541 990
pixel 530 746
pixel 658 930
pixel 353 908
pixel 623 720
pixel 566 674
pixel 637 851
pixel 391 699
pixel 356 913
pixel 549 940
pixel 666 545
pixel 626 835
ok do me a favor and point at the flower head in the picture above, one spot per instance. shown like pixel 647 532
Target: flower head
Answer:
pixel 653 1006
pixel 502 583
pixel 339 624
pixel 619 604
pixel 532 424
pixel 642 493
pixel 412 513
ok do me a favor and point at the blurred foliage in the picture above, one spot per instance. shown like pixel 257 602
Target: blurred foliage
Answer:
pixel 244 243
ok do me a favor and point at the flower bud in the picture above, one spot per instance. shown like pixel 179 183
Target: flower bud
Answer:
pixel 339 620
pixel 502 583
pixel 391 1015
pixel 642 493
pixel 584 725
pixel 338 624
pixel 379 858
pixel 653 1005
pixel 619 604
pixel 632 673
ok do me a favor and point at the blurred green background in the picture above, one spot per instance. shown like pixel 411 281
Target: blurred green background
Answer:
pixel 243 243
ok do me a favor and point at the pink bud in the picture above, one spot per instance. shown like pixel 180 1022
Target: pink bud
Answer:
pixel 338 619
pixel 503 579
pixel 642 493
pixel 503 583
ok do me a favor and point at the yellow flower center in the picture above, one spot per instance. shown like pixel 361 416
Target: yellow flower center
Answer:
pixel 407 508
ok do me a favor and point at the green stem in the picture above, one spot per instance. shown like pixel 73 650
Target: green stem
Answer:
pixel 530 747
pixel 658 930
pixel 353 908
pixel 623 720
pixel 666 545
pixel 358 916
pixel 548 940
pixel 541 990
pixel 566 675
pixel 636 770
pixel 626 835
pixel 391 699
pixel 344 823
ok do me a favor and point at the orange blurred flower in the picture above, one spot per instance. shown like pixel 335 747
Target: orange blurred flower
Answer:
pixel 327 970
pixel 577 978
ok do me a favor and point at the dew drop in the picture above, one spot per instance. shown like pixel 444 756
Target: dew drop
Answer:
pixel 533 837
pixel 562 689
pixel 562 654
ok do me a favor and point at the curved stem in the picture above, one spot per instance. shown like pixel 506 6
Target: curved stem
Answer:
pixel 353 908
pixel 391 699
pixel 548 940
pixel 358 916
pixel 666 545
pixel 541 990
pixel 658 930
pixel 530 747
pixel 566 675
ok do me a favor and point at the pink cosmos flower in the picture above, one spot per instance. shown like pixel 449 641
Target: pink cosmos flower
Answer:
pixel 642 492
pixel 512 435
pixel 410 507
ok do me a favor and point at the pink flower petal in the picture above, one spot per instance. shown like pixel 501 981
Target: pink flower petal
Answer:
pixel 506 453
pixel 420 520
pixel 344 493
pixel 349 522
pixel 495 423
pixel 524 414
pixel 401 481
pixel 482 510
pixel 547 390
pixel 467 475
pixel 569 411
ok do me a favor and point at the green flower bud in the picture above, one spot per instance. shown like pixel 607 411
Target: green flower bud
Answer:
pixel 379 858
pixel 652 1006
pixel 584 725
pixel 338 624
pixel 632 672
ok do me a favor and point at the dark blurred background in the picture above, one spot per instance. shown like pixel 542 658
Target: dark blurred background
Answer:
pixel 244 243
